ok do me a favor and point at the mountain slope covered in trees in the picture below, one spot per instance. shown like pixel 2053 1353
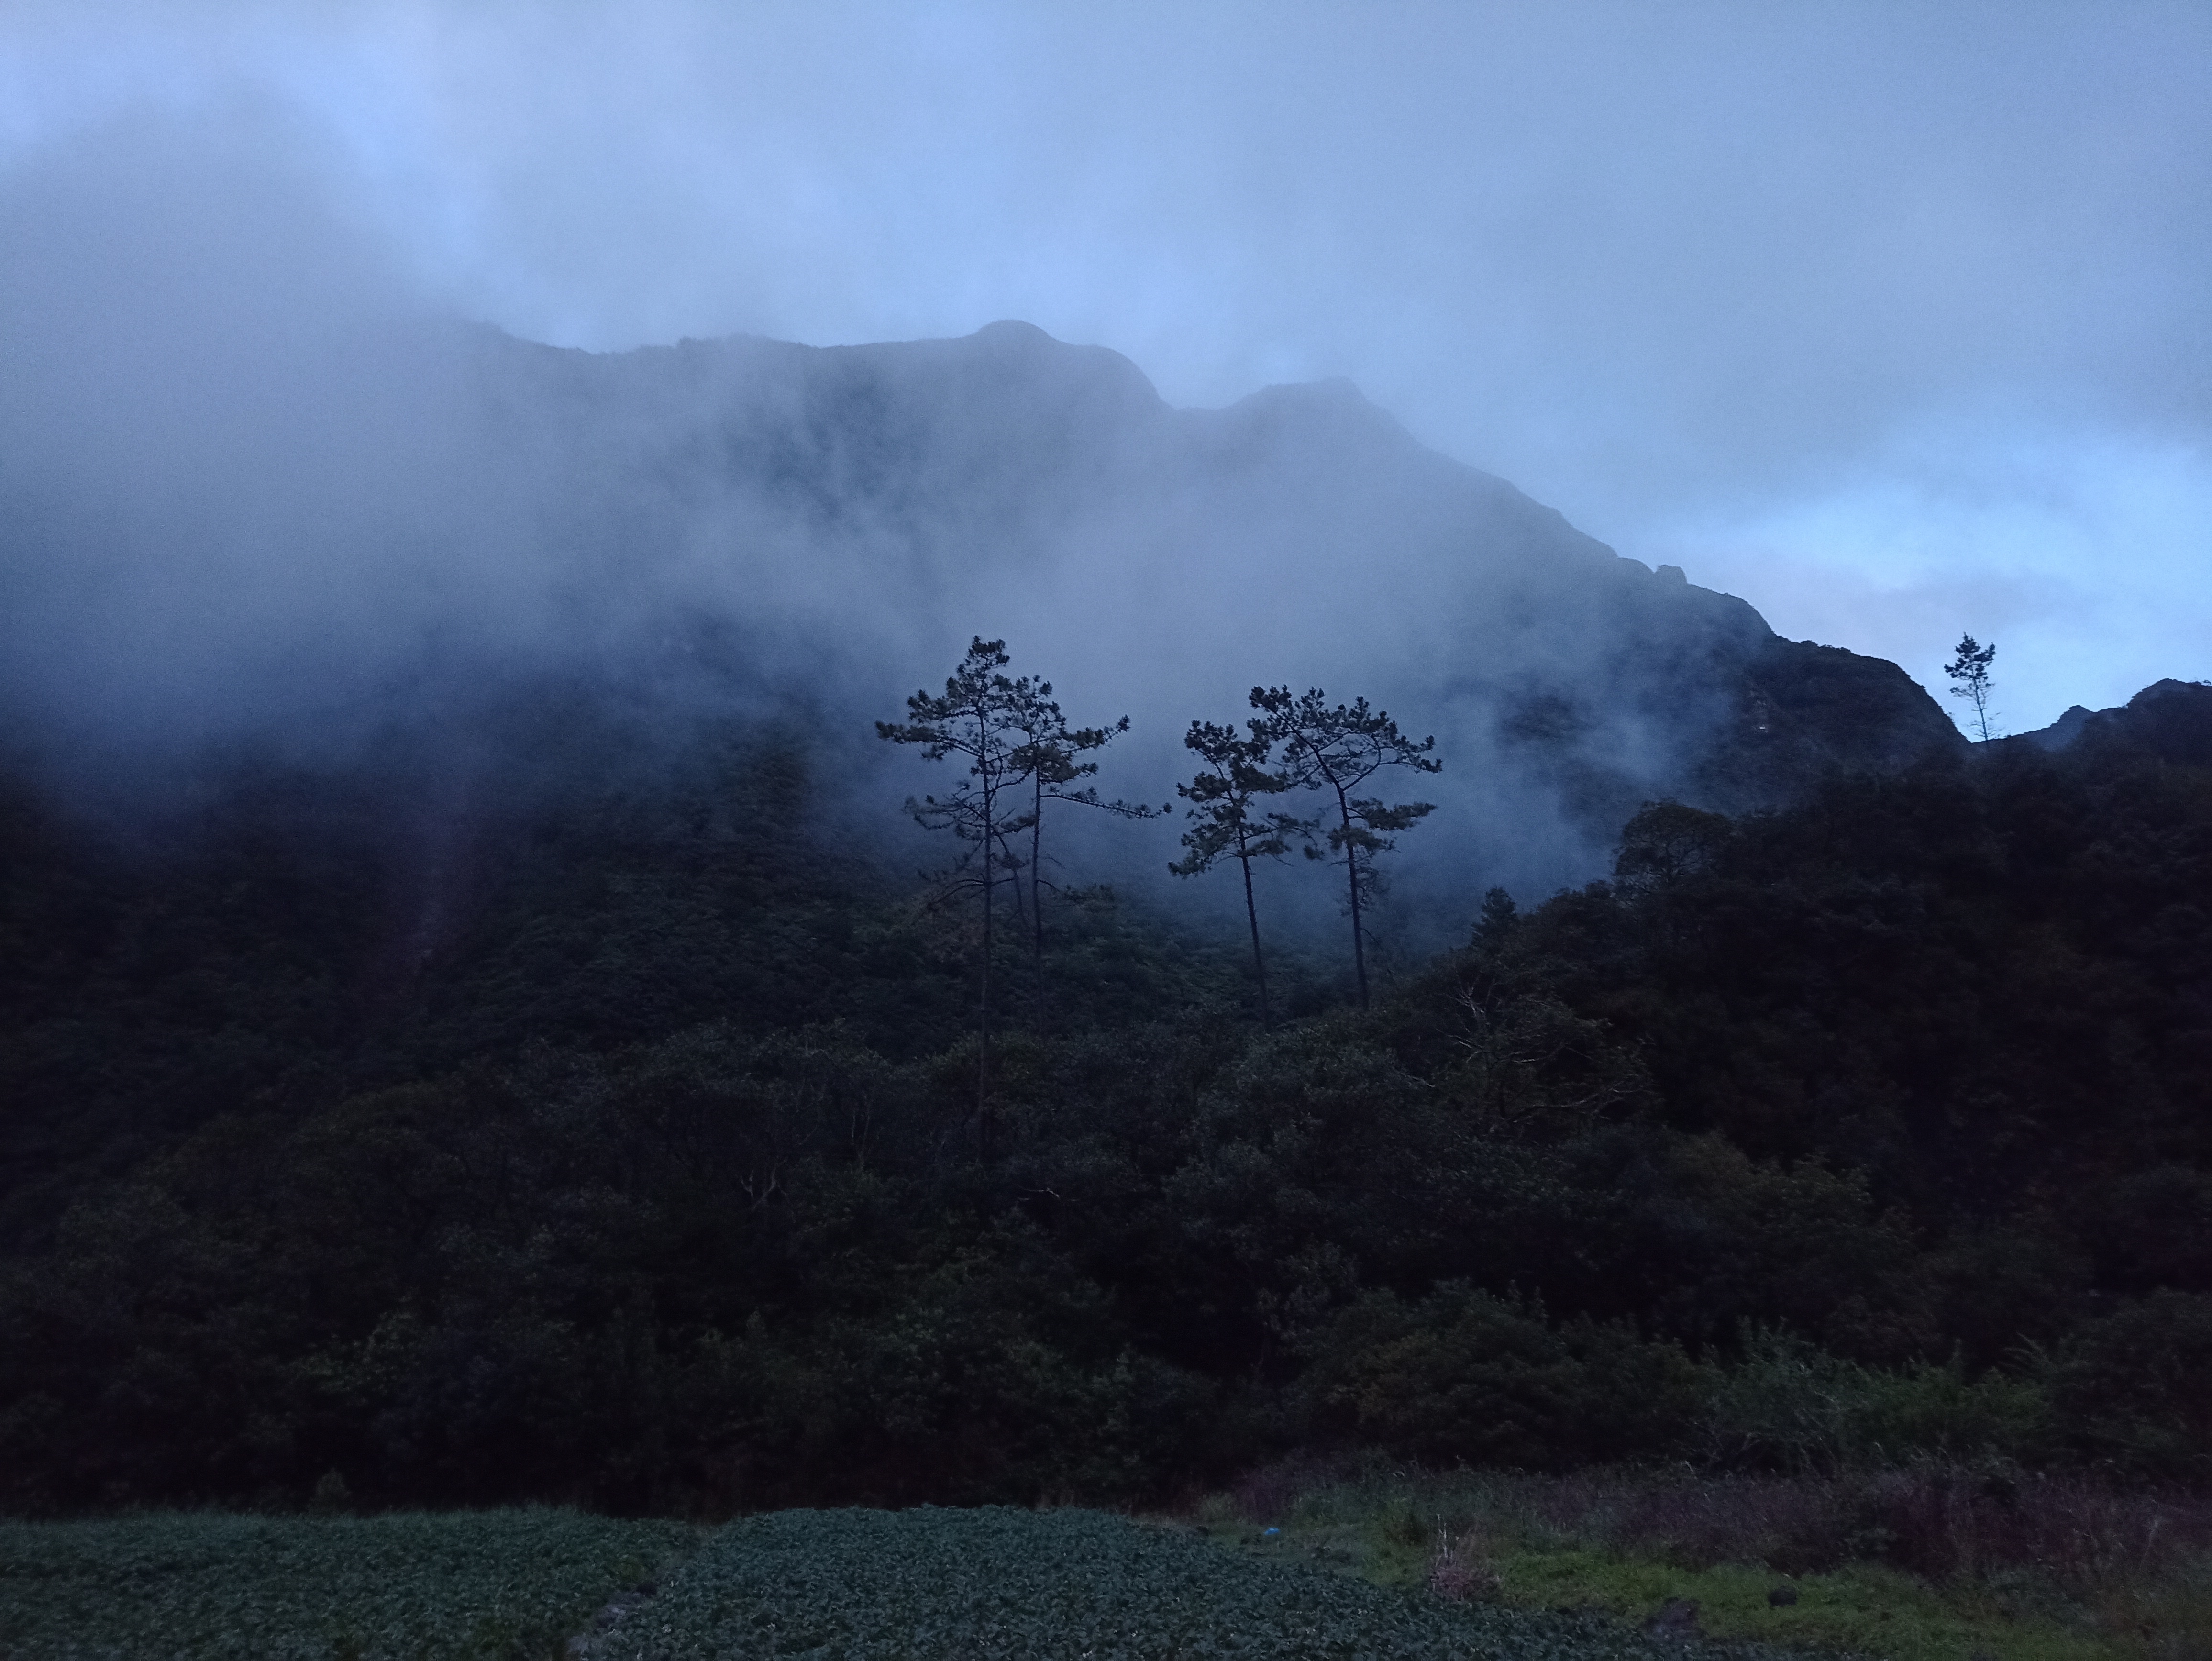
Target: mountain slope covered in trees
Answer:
pixel 658 1184
pixel 469 1021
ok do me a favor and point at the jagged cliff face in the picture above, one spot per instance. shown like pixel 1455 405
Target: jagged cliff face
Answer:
pixel 752 524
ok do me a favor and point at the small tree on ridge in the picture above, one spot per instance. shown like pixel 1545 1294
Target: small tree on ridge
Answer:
pixel 1970 670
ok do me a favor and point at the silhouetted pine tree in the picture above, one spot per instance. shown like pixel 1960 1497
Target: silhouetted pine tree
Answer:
pixel 979 718
pixel 1338 748
pixel 1227 821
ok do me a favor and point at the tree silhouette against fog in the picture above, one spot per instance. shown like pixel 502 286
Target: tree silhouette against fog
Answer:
pixel 1970 670
pixel 1051 754
pixel 1337 749
pixel 1227 821
pixel 979 719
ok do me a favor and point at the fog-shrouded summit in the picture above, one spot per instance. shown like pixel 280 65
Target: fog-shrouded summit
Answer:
pixel 411 520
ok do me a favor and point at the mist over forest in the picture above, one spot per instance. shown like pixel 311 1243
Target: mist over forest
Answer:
pixel 261 500
pixel 480 1021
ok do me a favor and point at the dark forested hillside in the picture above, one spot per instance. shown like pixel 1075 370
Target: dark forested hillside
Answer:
pixel 624 1145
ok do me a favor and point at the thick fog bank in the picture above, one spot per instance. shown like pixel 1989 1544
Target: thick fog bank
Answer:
pixel 262 503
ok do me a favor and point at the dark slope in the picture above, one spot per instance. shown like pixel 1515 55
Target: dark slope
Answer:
pixel 659 1182
pixel 2169 719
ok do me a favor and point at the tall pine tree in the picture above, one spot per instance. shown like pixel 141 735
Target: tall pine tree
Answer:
pixel 979 719
pixel 1227 821
pixel 1052 754
pixel 1970 672
pixel 1336 749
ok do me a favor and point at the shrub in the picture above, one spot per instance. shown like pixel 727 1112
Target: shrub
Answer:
pixel 1466 1376
pixel 1788 1405
pixel 2132 1388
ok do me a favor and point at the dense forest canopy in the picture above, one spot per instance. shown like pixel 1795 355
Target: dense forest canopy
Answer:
pixel 626 1148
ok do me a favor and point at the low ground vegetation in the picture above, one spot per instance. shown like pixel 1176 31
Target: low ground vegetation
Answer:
pixel 1932 1563
pixel 1002 1583
pixel 206 1586
pixel 918 1585
pixel 1299 1559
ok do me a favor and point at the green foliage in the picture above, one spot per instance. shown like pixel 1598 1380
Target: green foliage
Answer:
pixel 1935 1562
pixel 2131 1387
pixel 1464 1377
pixel 1666 843
pixel 1786 1404
pixel 486 1586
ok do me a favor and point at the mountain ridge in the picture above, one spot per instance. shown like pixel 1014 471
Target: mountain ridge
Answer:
pixel 2170 719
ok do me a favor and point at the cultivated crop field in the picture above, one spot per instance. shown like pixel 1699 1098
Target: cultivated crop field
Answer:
pixel 197 1586
pixel 837 1585
pixel 1000 1583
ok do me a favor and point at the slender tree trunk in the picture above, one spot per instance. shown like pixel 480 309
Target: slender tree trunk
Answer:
pixel 1014 881
pixel 1036 896
pixel 983 1027
pixel 983 1047
pixel 1351 877
pixel 1252 914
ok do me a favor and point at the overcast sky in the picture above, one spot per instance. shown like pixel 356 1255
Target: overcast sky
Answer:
pixel 1896 320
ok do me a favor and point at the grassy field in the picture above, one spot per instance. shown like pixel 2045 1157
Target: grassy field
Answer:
pixel 2092 1579
pixel 200 1586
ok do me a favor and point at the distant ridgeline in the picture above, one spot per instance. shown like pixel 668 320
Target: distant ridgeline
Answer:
pixel 2172 719
pixel 530 1067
